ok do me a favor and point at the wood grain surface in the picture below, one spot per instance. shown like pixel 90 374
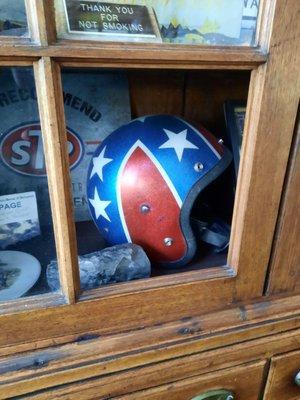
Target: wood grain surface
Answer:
pixel 244 381
pixel 213 342
pixel 285 261
pixel 281 383
pixel 50 101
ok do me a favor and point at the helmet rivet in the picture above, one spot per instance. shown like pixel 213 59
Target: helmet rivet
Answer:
pixel 220 141
pixel 198 167
pixel 144 208
pixel 168 241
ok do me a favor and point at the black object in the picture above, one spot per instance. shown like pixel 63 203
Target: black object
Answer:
pixel 215 233
pixel 235 118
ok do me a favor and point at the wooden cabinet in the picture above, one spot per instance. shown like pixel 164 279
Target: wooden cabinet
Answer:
pixel 241 303
pixel 282 377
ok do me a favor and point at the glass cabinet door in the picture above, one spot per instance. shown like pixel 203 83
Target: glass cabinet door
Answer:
pixel 173 101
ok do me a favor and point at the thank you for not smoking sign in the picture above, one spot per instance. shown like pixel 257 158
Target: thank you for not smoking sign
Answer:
pixel 101 18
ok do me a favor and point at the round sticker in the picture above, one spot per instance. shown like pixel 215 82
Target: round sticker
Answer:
pixel 21 149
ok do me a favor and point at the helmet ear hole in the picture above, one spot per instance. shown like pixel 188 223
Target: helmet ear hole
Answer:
pixel 215 200
pixel 202 209
pixel 211 215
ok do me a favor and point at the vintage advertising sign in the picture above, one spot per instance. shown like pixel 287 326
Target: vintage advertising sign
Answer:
pixel 208 22
pixel 96 103
pixel 211 22
pixel 18 218
pixel 21 149
pixel 110 19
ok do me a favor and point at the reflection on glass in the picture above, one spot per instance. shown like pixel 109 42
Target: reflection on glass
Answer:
pixel 26 231
pixel 96 103
pixel 207 22
pixel 13 18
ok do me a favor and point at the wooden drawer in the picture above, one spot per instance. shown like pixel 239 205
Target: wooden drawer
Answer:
pixel 244 381
pixel 281 382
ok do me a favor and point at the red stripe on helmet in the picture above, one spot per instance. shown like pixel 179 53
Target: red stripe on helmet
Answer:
pixel 150 209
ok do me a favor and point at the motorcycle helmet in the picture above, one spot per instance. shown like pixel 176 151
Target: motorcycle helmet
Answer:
pixel 143 180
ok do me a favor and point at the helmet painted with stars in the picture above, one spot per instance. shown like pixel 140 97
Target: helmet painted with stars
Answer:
pixel 143 180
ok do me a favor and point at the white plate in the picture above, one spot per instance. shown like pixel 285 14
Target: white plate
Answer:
pixel 30 270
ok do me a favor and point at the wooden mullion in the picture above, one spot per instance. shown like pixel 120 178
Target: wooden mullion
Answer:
pixel 172 65
pixel 50 100
pixel 41 21
pixel 146 56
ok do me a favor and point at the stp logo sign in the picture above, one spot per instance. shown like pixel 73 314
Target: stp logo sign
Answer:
pixel 21 149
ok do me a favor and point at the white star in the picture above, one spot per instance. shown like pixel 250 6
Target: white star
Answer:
pixel 178 142
pixel 99 206
pixel 141 119
pixel 98 164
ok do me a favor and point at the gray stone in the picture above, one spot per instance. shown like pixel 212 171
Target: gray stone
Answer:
pixel 16 232
pixel 119 263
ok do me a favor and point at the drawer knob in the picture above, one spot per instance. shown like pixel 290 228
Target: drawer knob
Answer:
pixel 297 379
pixel 215 395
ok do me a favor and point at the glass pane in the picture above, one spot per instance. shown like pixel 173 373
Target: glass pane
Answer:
pixel 137 148
pixel 206 22
pixel 26 231
pixel 13 20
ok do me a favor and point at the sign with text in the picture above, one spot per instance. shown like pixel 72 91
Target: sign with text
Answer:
pixel 19 219
pixel 18 207
pixel 100 18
